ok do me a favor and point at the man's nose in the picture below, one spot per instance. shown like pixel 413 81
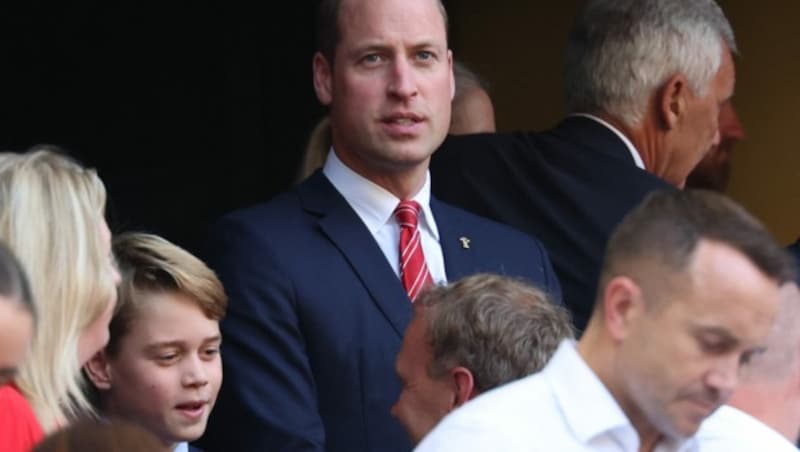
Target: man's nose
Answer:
pixel 403 82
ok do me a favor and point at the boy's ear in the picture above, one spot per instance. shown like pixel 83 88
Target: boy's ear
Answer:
pixel 98 371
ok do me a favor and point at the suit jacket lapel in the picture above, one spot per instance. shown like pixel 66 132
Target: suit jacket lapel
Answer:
pixel 351 237
pixel 459 257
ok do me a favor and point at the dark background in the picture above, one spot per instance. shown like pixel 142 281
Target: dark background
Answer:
pixel 191 111
pixel 186 112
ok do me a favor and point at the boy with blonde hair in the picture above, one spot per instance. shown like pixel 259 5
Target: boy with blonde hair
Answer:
pixel 162 368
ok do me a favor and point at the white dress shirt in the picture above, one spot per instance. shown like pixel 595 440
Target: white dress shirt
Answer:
pixel 631 148
pixel 375 206
pixel 181 447
pixel 732 430
pixel 563 408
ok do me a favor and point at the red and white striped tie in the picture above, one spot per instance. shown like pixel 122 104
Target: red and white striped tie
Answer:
pixel 413 270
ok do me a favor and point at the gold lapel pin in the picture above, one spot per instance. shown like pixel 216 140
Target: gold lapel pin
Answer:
pixel 464 242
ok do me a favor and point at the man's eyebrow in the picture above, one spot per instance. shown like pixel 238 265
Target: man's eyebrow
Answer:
pixel 721 333
pixel 370 47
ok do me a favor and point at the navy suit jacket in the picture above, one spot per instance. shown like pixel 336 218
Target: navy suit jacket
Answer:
pixel 569 187
pixel 317 316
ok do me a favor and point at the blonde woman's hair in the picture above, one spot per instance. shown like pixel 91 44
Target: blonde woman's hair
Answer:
pixel 319 144
pixel 50 216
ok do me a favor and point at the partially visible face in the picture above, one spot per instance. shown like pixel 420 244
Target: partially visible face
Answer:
pixel 713 172
pixel 167 369
pixel 16 334
pixel 698 130
pixel 682 359
pixel 424 401
pixel 390 87
pixel 474 113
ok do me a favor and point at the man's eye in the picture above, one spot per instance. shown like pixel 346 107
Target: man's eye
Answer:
pixel 210 352
pixel 747 357
pixel 425 55
pixel 372 58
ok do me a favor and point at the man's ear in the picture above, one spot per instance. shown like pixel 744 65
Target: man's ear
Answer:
pixel 622 303
pixel 672 101
pixel 99 371
pixel 323 79
pixel 464 386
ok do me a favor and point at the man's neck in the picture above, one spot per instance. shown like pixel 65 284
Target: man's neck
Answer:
pixel 641 137
pixel 648 439
pixel 402 182
pixel 167 446
pixel 598 353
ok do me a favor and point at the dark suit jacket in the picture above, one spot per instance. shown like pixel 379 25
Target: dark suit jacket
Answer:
pixel 569 187
pixel 317 316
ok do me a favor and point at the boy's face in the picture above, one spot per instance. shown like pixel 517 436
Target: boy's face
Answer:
pixel 167 370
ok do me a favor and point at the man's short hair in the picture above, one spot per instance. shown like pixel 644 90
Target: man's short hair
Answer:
pixel 499 328
pixel 151 265
pixel 656 241
pixel 621 51
pixel 328 32
pixel 14 285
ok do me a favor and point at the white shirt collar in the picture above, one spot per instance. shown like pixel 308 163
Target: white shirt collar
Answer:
pixel 589 408
pixel 181 447
pixel 631 148
pixel 374 204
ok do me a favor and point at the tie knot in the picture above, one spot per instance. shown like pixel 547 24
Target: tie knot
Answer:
pixel 407 213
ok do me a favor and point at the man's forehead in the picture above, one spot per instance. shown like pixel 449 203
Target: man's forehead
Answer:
pixel 360 15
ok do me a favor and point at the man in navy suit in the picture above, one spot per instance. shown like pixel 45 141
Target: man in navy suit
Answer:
pixel 317 280
pixel 645 81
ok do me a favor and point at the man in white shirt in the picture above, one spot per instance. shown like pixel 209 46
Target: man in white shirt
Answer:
pixel 688 293
pixel 765 409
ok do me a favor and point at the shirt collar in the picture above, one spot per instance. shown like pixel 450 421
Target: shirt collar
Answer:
pixel 181 447
pixel 631 148
pixel 588 407
pixel 374 204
